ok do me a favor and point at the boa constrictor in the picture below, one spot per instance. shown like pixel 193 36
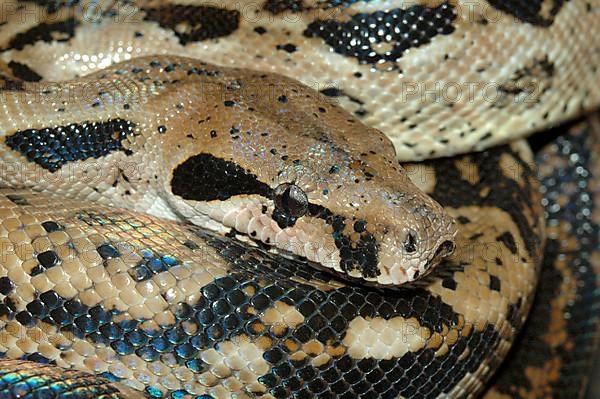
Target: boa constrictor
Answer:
pixel 163 309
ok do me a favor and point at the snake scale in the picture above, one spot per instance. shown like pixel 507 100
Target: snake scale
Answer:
pixel 314 265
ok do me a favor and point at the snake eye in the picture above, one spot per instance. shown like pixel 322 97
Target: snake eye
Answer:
pixel 290 199
pixel 410 244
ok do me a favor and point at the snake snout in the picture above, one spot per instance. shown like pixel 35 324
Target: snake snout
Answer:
pixel 436 231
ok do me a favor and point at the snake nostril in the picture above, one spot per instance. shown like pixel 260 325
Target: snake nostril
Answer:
pixel 410 244
pixel 446 248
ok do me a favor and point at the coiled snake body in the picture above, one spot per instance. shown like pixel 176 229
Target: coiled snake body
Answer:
pixel 303 191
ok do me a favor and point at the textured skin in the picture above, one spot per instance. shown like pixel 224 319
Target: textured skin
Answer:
pixel 542 81
pixel 27 379
pixel 216 151
pixel 158 305
pixel 439 78
pixel 554 356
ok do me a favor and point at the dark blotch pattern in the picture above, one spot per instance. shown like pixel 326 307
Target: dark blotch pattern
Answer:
pixel 283 218
pixel 232 306
pixel 288 47
pixel 195 23
pixel 356 37
pixel 6 285
pixel 494 189
pixel 22 71
pixel 361 254
pixel 327 314
pixel 570 186
pixel 152 264
pixel 48 259
pixel 51 226
pixel 335 92
pixel 527 80
pixel 52 6
pixel 108 251
pixel 53 147
pixel 204 177
pixel 281 6
pixel 508 240
pixel 60 31
pixel 529 10
pixel 495 283
pixel 17 199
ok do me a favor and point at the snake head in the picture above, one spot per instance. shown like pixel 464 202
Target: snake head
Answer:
pixel 385 234
pixel 298 173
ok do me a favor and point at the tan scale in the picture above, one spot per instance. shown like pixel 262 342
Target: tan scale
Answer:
pixel 485 44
